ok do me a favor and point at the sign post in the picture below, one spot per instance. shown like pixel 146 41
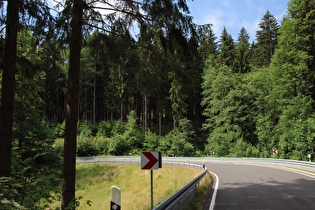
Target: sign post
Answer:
pixel 115 201
pixel 151 161
pixel 309 157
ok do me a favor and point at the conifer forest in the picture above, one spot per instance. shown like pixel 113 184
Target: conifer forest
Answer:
pixel 77 81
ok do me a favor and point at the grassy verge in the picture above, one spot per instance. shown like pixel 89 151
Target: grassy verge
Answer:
pixel 94 183
pixel 200 198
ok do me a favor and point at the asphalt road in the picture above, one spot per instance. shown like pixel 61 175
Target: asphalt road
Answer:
pixel 260 187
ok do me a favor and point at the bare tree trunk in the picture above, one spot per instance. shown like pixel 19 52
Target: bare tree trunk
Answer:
pixel 8 87
pixel 57 107
pixel 94 95
pixel 121 111
pixel 160 124
pixel 145 113
pixel 68 190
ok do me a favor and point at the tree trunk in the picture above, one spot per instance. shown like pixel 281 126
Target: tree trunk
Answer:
pixel 94 96
pixel 121 111
pixel 68 191
pixel 160 125
pixel 145 113
pixel 8 87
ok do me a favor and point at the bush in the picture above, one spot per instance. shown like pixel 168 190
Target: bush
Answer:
pixel 59 146
pixel 118 145
pixel 86 147
pixel 151 141
pixel 105 129
pixel 102 145
pixel 59 131
pixel 85 129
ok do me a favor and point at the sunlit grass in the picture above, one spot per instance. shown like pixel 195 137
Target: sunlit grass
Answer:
pixel 93 182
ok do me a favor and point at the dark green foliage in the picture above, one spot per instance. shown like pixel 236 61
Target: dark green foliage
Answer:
pixel 267 38
pixel 36 166
pixel 8 194
pixel 130 141
pixel 151 142
pixel 243 54
pixel 60 130
pixel 227 49
pixel 250 112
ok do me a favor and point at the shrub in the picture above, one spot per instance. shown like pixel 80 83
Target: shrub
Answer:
pixel 151 141
pixel 105 129
pixel 102 145
pixel 59 146
pixel 59 131
pixel 86 147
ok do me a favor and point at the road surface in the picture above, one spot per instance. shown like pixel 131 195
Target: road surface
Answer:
pixel 261 187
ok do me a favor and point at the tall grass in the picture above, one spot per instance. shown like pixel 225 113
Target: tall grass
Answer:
pixel 93 182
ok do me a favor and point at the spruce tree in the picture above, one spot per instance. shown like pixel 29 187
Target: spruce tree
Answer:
pixel 242 56
pixel 266 39
pixel 227 49
pixel 208 44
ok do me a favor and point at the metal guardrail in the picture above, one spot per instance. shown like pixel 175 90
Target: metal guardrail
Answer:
pixel 303 165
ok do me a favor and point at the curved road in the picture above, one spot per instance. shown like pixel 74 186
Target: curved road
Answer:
pixel 262 187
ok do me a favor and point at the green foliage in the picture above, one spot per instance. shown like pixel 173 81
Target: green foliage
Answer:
pixel 8 194
pixel 267 38
pixel 151 141
pixel 248 113
pixel 35 164
pixel 60 130
pixel 105 129
pixel 86 147
pixel 178 141
pixel 102 145
pixel 59 146
pixel 124 143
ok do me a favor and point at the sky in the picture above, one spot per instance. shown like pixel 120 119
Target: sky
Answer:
pixel 235 14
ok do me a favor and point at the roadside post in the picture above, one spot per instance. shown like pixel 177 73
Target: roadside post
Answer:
pixel 115 201
pixel 151 161
pixel 274 152
pixel 309 158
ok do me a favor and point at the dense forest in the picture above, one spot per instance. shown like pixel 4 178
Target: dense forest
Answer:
pixel 76 81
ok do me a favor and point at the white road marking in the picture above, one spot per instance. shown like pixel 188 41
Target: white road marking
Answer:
pixel 214 195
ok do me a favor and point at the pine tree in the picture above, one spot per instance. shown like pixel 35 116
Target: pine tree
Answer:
pixel 266 39
pixel 208 44
pixel 227 49
pixel 242 56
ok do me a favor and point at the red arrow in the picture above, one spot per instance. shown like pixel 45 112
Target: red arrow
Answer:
pixel 151 158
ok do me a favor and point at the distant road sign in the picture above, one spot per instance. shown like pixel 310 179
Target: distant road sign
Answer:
pixel 275 151
pixel 212 152
pixel 151 160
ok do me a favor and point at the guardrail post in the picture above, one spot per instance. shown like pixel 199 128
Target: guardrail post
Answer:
pixel 115 201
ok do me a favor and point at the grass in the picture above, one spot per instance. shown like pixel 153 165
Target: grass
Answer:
pixel 93 183
pixel 201 197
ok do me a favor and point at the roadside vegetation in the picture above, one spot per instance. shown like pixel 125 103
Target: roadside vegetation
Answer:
pixel 93 184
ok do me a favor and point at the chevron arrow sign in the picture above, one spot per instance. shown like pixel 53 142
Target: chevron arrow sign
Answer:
pixel 150 160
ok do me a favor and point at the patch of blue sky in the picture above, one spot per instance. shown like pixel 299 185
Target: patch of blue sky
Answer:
pixel 235 14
